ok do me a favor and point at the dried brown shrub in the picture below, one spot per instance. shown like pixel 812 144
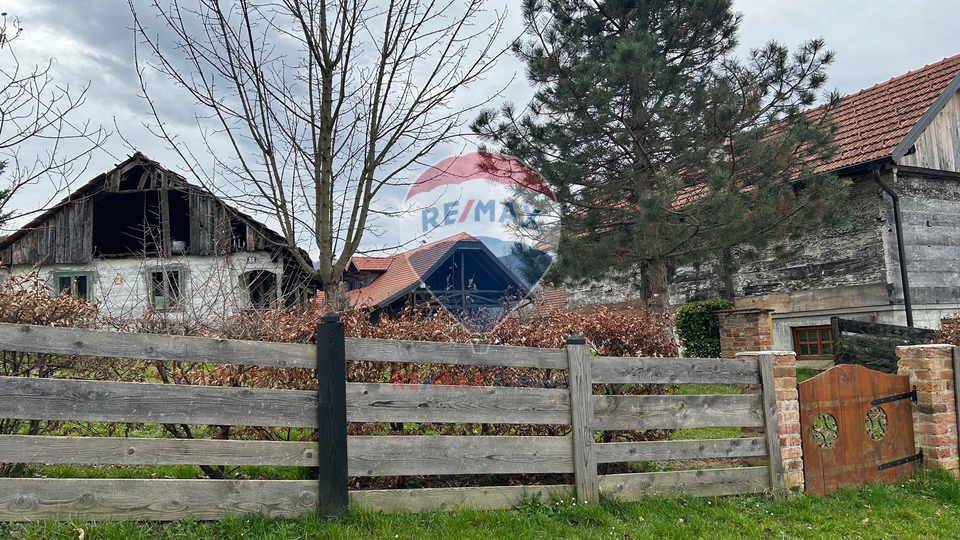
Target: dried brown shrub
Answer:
pixel 949 332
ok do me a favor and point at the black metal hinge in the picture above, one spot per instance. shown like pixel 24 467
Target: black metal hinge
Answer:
pixel 891 464
pixel 897 397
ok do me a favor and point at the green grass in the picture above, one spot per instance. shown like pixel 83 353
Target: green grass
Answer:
pixel 925 508
pixel 804 374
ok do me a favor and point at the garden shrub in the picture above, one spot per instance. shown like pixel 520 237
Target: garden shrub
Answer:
pixel 949 332
pixel 698 327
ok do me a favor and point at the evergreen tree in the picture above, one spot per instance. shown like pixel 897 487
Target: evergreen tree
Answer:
pixel 662 146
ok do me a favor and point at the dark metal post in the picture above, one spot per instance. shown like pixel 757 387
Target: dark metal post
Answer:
pixel 332 415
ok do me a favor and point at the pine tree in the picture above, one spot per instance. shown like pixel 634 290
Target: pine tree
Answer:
pixel 662 146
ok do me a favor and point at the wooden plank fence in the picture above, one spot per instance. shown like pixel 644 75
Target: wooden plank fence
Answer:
pixel 337 402
pixel 873 345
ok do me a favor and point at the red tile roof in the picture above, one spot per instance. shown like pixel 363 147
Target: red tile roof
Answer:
pixel 872 122
pixel 371 264
pixel 551 299
pixel 405 272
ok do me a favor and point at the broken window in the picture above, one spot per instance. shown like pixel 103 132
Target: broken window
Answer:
pixel 79 284
pixel 262 286
pixel 166 288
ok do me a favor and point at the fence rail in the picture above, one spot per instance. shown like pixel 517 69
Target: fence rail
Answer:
pixel 337 402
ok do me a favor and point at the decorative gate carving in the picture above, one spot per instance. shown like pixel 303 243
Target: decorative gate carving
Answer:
pixel 856 427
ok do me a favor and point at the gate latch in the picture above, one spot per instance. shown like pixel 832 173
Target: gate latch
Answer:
pixel 897 397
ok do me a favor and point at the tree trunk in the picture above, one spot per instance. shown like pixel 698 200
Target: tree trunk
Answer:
pixel 727 270
pixel 655 286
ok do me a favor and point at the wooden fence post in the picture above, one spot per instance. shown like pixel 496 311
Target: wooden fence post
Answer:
pixel 332 415
pixel 581 407
pixel 771 421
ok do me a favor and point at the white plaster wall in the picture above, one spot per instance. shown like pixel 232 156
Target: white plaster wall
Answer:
pixel 212 289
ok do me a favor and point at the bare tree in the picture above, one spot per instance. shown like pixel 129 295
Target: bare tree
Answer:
pixel 311 107
pixel 35 110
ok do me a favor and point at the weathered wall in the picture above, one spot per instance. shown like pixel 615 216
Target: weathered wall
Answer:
pixel 846 255
pixel 212 291
pixel 930 213
pixel 939 145
pixel 66 237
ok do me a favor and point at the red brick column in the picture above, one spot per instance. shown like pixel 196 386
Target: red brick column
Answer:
pixel 931 370
pixel 788 416
pixel 745 330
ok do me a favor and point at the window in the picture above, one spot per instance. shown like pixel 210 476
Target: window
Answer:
pixel 812 342
pixel 79 284
pixel 262 286
pixel 166 288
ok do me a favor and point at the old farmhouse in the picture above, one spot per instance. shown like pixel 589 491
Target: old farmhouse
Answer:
pixel 897 260
pixel 141 240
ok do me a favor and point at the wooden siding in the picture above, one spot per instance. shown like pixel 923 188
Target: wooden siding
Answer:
pixel 66 237
pixel 939 145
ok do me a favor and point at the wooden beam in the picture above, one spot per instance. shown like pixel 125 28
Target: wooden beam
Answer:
pixel 581 406
pixel 371 402
pixel 99 401
pixel 332 416
pixel 702 483
pixel 74 341
pixel 135 451
pixel 65 499
pixel 428 455
pixel 479 354
pixel 771 422
pixel 676 412
pixel 450 499
pixel 674 370
pixel 671 450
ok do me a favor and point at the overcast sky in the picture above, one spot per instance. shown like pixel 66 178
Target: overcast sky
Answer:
pixel 91 42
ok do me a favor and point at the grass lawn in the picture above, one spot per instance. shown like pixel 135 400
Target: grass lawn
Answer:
pixel 926 507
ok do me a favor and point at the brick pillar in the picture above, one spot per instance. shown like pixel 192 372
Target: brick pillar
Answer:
pixel 788 416
pixel 931 370
pixel 745 330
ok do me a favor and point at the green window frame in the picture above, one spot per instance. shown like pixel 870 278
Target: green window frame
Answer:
pixel 79 284
pixel 165 287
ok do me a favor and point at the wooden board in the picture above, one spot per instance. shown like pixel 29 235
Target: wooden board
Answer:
pixel 98 401
pixel 450 499
pixel 133 451
pixel 674 370
pixel 771 422
pixel 582 430
pixel 921 335
pixel 702 483
pixel 369 402
pixel 427 455
pixel 74 341
pixel 676 412
pixel 32 499
pixel 478 354
pixel 671 450
pixel 851 459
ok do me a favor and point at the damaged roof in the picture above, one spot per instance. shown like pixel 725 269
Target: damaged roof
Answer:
pixel 96 184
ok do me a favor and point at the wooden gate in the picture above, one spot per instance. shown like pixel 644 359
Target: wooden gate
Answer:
pixel 856 427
